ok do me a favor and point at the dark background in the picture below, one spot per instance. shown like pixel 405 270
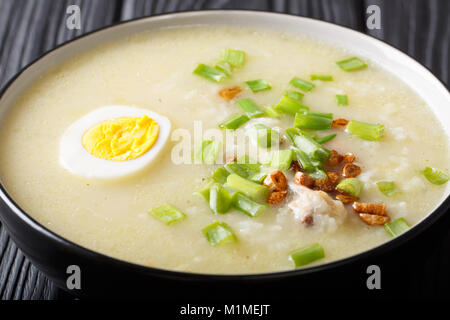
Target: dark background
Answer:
pixel 420 28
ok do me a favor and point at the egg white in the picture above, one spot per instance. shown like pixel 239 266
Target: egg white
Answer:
pixel 77 160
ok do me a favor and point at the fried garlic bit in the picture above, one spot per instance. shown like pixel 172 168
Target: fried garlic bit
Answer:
pixel 230 93
pixel 346 198
pixel 335 159
pixel 339 123
pixel 373 220
pixel 373 214
pixel 351 170
pixel 277 183
pixel 302 179
pixel 276 197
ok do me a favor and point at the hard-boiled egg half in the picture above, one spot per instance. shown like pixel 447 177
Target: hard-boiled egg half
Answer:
pixel 113 141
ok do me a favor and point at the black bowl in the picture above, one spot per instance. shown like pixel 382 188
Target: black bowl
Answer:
pixel 103 276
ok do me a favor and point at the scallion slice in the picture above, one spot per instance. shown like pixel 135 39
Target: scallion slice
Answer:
pixel 318 174
pixel 258 177
pixel 255 191
pixel 271 112
pixel 208 151
pixel 435 176
pixel 234 57
pixel 167 213
pixel 396 227
pixel 324 139
pixel 351 64
pixel 247 205
pixel 294 94
pixel 305 162
pixel 366 131
pixel 263 135
pixel 307 255
pixel 250 108
pixel 322 77
pixel 282 159
pixel 302 84
pixel 352 186
pixel 220 175
pixel 341 100
pixel 388 188
pixel 219 199
pixel 307 144
pixel 218 233
pixel 290 105
pixel 243 167
pixel 210 73
pixel 258 85
pixel 234 122
pixel 224 66
pixel 204 191
pixel 313 121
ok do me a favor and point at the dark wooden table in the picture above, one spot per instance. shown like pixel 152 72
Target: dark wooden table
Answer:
pixel 28 28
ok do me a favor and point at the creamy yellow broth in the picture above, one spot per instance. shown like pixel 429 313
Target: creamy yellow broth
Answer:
pixel 154 71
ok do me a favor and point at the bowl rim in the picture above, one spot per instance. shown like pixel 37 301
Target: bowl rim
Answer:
pixel 389 245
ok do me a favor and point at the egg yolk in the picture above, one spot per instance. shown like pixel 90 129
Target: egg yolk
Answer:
pixel 121 139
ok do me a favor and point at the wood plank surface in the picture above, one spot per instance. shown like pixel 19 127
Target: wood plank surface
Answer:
pixel 28 28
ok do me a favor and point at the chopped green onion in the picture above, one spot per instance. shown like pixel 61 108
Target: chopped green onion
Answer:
pixel 305 162
pixel 302 84
pixel 307 144
pixel 396 227
pixel 282 159
pixel 388 188
pixel 210 73
pixel 309 133
pixel 294 94
pixel 322 140
pixel 307 255
pixel 322 77
pixel 208 151
pixel 246 205
pixel 220 175
pixel 263 135
pixel 204 191
pixel 435 176
pixel 341 99
pixel 251 164
pixel 234 57
pixel 219 199
pixel 258 177
pixel 351 64
pixel 290 105
pixel 250 108
pixel 258 85
pixel 224 66
pixel 318 174
pixel 257 192
pixel 271 112
pixel 313 121
pixel 218 233
pixel 243 167
pixel 352 186
pixel 167 214
pixel 366 131
pixel 234 122
pixel 237 168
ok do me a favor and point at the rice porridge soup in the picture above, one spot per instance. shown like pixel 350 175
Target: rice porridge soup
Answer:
pixel 123 149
